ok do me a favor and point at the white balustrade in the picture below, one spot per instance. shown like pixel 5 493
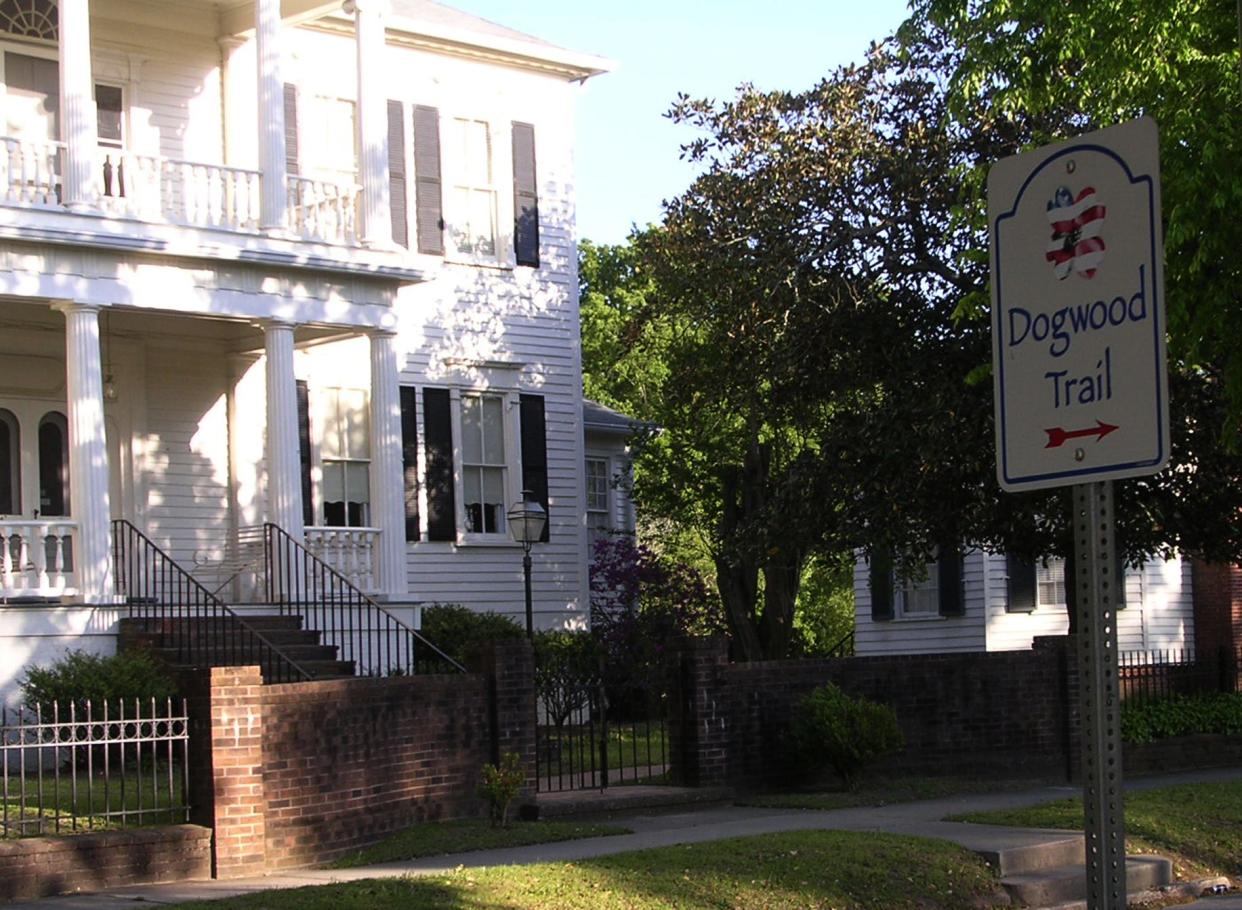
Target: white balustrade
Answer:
pixel 321 210
pixel 31 172
pixel 36 558
pixel 351 551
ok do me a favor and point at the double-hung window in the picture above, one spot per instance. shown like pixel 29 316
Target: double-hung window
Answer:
pixel 484 467
pixel 346 458
pixel 597 489
pixel 473 215
pixel 1050 583
pixel 918 596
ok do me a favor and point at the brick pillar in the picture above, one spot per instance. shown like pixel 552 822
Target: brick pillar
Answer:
pixel 1218 607
pixel 699 723
pixel 1063 650
pixel 226 772
pixel 509 666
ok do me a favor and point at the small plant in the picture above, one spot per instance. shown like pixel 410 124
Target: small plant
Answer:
pixel 79 676
pixel 501 785
pixel 1150 719
pixel 845 733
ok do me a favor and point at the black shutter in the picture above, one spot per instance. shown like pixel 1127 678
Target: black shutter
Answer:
pixel 525 196
pixel 535 453
pixel 1020 589
pixel 291 128
pixel 429 212
pixel 396 173
pixel 409 459
pixel 881 585
pixel 438 444
pixel 949 582
pixel 304 452
pixel 1121 582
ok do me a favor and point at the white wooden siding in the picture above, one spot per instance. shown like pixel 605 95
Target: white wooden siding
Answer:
pixel 923 635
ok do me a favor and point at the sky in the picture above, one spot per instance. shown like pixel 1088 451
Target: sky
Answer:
pixel 627 153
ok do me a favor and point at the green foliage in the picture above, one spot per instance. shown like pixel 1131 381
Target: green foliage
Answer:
pixel 1149 719
pixel 831 728
pixel 824 613
pixel 567 665
pixel 501 785
pixel 79 676
pixel 454 629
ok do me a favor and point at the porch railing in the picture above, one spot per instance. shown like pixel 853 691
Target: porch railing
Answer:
pixel 187 617
pixel 379 644
pixel 36 557
pixel 351 551
pixel 193 193
pixel 94 765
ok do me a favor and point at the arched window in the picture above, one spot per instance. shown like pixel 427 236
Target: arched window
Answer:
pixel 10 464
pixel 29 18
pixel 54 465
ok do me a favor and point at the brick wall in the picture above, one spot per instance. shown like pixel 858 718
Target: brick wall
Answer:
pixel 35 867
pixel 972 713
pixel 1218 605
pixel 300 774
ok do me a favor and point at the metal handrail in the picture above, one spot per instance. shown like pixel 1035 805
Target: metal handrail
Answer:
pixel 159 589
pixel 377 642
pixel 844 647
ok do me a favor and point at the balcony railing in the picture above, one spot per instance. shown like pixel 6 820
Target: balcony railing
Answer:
pixel 36 557
pixel 172 191
pixel 350 551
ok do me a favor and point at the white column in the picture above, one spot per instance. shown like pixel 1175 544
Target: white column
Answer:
pixel 88 452
pixel 372 111
pixel 284 466
pixel 387 474
pixel 78 128
pixel 271 126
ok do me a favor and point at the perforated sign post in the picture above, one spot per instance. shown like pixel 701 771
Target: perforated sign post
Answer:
pixel 1078 343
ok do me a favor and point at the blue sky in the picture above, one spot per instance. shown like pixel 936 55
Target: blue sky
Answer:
pixel 627 152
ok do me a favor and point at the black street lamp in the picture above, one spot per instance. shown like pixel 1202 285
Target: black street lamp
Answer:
pixel 526 522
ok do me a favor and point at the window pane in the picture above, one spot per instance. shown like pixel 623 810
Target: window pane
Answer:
pixel 483 222
pixel 493 431
pixel 331 447
pixel 53 466
pixel 10 483
pixel 471 430
pixel 1050 582
pixel 333 481
pixel 494 485
pixel 357 483
pixel 472 479
pixel 597 484
pixel 109 108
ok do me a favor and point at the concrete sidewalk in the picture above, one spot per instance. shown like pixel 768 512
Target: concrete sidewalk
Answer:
pixel 694 825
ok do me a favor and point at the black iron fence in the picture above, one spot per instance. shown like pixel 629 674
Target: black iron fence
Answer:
pixel 90 766
pixel 598 728
pixel 184 619
pixel 364 633
pixel 1178 671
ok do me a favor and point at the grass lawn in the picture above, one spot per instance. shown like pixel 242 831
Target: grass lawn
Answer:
pixel 1198 826
pixel 883 793
pixel 94 804
pixel 437 838
pixel 792 871
pixel 576 748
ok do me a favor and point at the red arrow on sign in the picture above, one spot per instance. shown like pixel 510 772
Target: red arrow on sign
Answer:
pixel 1057 436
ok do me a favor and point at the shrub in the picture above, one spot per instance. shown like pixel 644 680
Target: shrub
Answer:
pixel 831 728
pixel 79 676
pixel 500 786
pixel 1149 719
pixel 453 628
pixel 566 667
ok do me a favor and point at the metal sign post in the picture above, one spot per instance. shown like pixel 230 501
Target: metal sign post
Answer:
pixel 1078 339
pixel 1103 797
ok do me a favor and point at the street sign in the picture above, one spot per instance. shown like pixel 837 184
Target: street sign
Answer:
pixel 1078 326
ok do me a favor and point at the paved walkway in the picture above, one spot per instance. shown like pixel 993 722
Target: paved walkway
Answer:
pixel 666 829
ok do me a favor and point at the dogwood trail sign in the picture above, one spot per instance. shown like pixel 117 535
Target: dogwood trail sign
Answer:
pixel 1078 310
pixel 1081 398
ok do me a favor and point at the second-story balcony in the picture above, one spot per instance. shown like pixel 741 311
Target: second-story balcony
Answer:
pixel 185 193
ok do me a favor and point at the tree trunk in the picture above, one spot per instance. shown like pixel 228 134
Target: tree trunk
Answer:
pixel 781 578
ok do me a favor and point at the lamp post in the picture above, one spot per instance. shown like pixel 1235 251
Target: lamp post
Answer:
pixel 527 520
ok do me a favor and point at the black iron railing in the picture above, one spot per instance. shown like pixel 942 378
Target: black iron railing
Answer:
pixel 364 633
pixel 1178 671
pixel 183 616
pixel 93 766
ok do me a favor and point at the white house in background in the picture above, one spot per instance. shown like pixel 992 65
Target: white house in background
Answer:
pixel 991 602
pixel 294 262
pixel 609 471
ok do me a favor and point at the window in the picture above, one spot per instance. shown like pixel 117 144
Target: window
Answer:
pixel 10 464
pixel 329 141
pixel 483 465
pixel 598 520
pixel 110 106
pixel 918 596
pixel 473 194
pixel 29 18
pixel 346 458
pixel 54 465
pixel 1050 583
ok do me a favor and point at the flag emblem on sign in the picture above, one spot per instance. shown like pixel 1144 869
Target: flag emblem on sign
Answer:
pixel 1076 244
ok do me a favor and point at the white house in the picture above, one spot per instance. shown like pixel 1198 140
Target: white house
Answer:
pixel 990 602
pixel 298 263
